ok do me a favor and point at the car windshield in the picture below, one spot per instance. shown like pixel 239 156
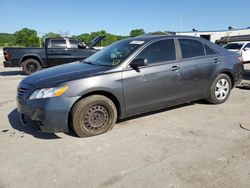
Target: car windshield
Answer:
pixel 233 46
pixel 115 53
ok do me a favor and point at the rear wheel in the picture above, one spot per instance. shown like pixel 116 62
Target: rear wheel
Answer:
pixel 30 66
pixel 220 89
pixel 93 115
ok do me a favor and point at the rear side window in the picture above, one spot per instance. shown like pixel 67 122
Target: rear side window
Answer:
pixel 191 48
pixel 209 51
pixel 58 43
pixel 159 51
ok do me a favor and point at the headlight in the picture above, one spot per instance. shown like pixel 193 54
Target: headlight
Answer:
pixel 48 92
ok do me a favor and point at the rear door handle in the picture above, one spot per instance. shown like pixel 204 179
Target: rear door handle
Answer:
pixel 175 68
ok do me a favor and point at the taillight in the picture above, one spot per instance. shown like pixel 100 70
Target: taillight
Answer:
pixel 240 59
pixel 6 55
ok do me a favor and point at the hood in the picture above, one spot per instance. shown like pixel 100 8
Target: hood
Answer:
pixel 53 76
pixel 96 40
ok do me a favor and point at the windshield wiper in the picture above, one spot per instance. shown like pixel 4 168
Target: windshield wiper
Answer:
pixel 88 62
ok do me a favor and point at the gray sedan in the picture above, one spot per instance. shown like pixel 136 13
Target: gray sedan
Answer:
pixel 129 77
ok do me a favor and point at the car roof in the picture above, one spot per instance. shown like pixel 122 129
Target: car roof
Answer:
pixel 152 37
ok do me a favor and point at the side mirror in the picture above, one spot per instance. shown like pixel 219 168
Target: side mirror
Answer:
pixel 139 63
pixel 81 46
pixel 246 49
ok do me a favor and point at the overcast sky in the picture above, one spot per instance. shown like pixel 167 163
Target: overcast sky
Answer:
pixel 121 16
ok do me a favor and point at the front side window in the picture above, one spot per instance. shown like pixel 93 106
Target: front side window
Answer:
pixel 191 48
pixel 74 43
pixel 247 46
pixel 160 51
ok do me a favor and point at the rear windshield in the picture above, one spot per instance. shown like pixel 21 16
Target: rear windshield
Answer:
pixel 233 46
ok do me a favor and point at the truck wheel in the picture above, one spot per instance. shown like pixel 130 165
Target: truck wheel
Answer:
pixel 220 89
pixel 93 115
pixel 30 66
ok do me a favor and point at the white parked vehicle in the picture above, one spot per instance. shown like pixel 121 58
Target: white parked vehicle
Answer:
pixel 243 48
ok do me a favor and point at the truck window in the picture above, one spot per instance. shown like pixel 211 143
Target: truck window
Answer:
pixel 74 43
pixel 57 43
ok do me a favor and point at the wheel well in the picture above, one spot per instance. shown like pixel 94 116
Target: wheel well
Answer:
pixel 30 57
pixel 104 93
pixel 230 76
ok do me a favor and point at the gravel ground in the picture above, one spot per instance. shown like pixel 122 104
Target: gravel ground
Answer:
pixel 192 145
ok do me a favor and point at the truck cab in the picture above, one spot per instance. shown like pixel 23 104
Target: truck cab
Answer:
pixel 64 50
pixel 56 51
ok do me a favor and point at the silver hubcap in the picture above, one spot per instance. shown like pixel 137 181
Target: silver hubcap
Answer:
pixel 221 89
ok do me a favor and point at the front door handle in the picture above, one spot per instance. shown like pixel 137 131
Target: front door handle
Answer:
pixel 216 60
pixel 175 68
pixel 52 50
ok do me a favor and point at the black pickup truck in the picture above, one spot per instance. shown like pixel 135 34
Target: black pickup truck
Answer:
pixel 56 51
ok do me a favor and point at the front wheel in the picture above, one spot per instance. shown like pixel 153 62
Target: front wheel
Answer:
pixel 220 89
pixel 93 115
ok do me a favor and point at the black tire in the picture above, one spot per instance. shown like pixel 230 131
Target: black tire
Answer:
pixel 220 89
pixel 93 115
pixel 30 66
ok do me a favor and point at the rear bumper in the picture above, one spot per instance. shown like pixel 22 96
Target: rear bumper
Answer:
pixel 9 64
pixel 50 114
pixel 238 74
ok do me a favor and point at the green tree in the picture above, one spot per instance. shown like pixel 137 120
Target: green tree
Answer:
pixel 110 38
pixel 27 37
pixel 137 32
pixel 52 35
pixel 7 39
pixel 85 37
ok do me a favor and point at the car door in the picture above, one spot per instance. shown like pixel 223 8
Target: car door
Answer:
pixel 152 86
pixel 246 53
pixel 198 66
pixel 57 52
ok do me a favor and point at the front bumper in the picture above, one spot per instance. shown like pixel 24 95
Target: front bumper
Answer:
pixel 51 114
